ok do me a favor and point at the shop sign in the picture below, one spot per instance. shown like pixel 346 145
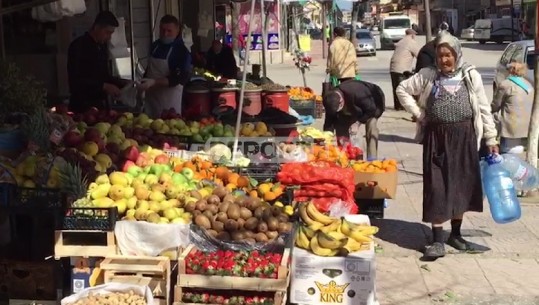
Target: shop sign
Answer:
pixel 256 41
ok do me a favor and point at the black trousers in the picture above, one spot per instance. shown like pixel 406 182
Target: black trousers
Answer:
pixel 396 79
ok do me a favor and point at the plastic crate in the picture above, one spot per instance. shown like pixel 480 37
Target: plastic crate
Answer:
pixel 374 208
pixel 305 107
pixel 14 196
pixel 100 219
pixel 261 172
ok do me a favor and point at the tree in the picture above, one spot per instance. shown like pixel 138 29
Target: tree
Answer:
pixel 355 13
pixel 533 132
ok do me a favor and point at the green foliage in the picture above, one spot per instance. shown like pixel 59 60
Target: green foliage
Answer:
pixel 19 92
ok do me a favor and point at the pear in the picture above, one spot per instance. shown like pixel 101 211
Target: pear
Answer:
pixel 174 203
pixel 139 181
pixel 143 204
pixel 140 214
pixel 151 179
pixel 118 178
pixel 116 192
pixel 129 192
pixel 153 217
pixel 165 204
pixel 142 193
pixel 121 205
pixel 179 211
pixel 155 206
pixel 132 202
pixel 102 179
pixel 164 220
pixel 130 212
pixel 104 202
pixel 170 213
pixel 129 218
pixel 100 191
pixel 158 188
pixel 180 220
pixel 173 192
pixel 157 196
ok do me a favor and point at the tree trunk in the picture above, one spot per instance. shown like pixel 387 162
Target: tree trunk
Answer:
pixel 355 12
pixel 533 133
pixel 428 30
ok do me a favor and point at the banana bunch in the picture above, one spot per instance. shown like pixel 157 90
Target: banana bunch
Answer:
pixel 311 132
pixel 329 236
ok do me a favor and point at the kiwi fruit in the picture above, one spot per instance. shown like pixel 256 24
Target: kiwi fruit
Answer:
pixel 273 224
pixel 203 221
pixel 245 213
pixel 251 223
pixel 272 235
pixel 284 227
pixel 241 223
pixel 261 237
pixel 267 214
pixel 222 217
pixel 213 199
pixel 220 192
pixel 258 212
pixel 282 217
pixel 238 236
pixel 195 213
pixel 208 214
pixel 233 211
pixel 240 200
pixel 212 233
pixel 250 240
pixel 217 226
pixel 231 225
pixel 276 211
pixel 223 236
pixel 214 209
pixel 201 205
pixel 262 227
pixel 228 197
pixel 254 203
pixel 249 234
pixel 223 207
pixel 190 206
pixel 195 194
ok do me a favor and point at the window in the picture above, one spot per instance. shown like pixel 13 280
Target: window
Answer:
pixel 363 35
pixel 530 60
pixel 397 23
pixel 518 55
pixel 507 54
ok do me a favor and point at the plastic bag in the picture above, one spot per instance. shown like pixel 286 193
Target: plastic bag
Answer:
pixel 187 36
pixel 110 288
pixel 139 238
pixel 72 7
pixel 297 155
pixel 128 95
pixel 341 208
pixel 206 243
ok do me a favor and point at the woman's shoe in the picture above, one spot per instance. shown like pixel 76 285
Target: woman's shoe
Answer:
pixel 434 251
pixel 458 243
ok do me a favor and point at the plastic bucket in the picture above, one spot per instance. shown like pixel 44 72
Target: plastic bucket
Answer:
pixel 196 103
pixel 224 98
pixel 277 99
pixel 252 102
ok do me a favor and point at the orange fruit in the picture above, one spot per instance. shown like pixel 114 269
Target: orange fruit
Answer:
pixel 243 181
pixel 253 193
pixel 264 188
pixel 233 178
pixel 221 172
pixel 231 187
pixel 270 196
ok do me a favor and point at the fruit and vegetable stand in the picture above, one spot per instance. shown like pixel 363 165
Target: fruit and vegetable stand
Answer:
pixel 120 204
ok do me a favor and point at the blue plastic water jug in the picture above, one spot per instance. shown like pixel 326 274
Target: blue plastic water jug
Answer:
pixel 500 191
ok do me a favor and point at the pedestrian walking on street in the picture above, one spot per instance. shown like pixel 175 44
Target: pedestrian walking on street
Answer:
pixel 355 101
pixel 512 107
pixel 453 115
pixel 401 63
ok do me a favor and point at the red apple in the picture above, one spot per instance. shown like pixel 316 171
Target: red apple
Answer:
pixel 161 159
pixel 142 161
pixel 92 134
pixel 89 119
pixel 131 153
pixel 127 165
pixel 73 138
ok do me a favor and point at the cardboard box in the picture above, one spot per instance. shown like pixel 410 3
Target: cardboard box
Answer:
pixel 350 280
pixel 376 186
pixel 81 271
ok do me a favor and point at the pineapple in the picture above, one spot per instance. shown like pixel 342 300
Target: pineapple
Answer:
pixel 72 181
pixel 36 129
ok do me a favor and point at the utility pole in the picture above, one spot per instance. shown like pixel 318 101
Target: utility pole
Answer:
pixel 512 20
pixel 533 133
pixel 428 26
pixel 324 29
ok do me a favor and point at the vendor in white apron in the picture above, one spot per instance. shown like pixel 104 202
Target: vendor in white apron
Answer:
pixel 169 69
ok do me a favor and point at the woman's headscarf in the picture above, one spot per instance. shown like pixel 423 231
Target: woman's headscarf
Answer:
pixel 445 38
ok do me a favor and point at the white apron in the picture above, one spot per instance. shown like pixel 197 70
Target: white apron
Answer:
pixel 161 98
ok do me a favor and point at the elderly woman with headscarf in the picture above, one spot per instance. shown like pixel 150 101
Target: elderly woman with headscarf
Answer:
pixel 453 115
pixel 512 107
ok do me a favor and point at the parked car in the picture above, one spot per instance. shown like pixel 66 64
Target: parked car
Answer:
pixel 468 33
pixel 520 51
pixel 366 43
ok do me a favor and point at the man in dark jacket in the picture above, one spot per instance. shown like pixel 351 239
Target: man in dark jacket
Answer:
pixel 220 60
pixel 356 101
pixel 426 56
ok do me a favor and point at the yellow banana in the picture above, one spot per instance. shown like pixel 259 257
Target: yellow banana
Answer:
pixel 369 231
pixel 346 226
pixel 352 245
pixel 318 250
pixel 360 237
pixel 305 217
pixel 336 234
pixel 308 231
pixel 315 226
pixel 334 226
pixel 313 212
pixel 329 242
pixel 349 229
pixel 302 241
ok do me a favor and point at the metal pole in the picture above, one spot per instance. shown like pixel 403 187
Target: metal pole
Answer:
pixel 512 21
pixel 427 20
pixel 2 42
pixel 263 17
pixel 243 81
pixel 152 19
pixel 132 38
pixel 324 27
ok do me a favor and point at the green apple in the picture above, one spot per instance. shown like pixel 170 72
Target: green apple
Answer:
pixel 179 179
pixel 134 170
pixel 188 173
pixel 151 179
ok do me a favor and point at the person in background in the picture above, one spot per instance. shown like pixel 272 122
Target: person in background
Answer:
pixel 426 56
pixel 169 69
pixel 512 107
pixel 220 60
pixel 342 58
pixel 89 74
pixel 198 58
pixel 400 66
pixel 356 101
pixel 453 115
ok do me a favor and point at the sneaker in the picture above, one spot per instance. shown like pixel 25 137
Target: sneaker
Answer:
pixel 434 251
pixel 458 243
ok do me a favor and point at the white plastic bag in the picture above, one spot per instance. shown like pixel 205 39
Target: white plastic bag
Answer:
pixel 129 95
pixel 296 156
pixel 110 288
pixel 187 36
pixel 55 11
pixel 140 238
pixel 72 7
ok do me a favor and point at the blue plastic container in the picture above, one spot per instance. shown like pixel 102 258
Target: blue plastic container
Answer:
pixel 500 191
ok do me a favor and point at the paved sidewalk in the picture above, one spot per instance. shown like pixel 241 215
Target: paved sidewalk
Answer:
pixel 506 273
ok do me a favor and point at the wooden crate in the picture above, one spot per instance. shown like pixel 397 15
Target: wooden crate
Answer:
pixel 234 282
pixel 84 243
pixel 279 297
pixel 153 272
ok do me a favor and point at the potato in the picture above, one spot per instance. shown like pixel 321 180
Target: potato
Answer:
pixel 116 298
